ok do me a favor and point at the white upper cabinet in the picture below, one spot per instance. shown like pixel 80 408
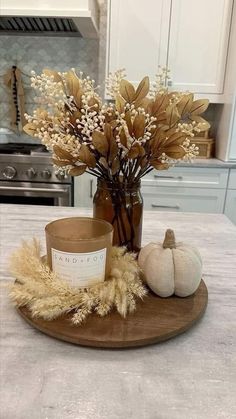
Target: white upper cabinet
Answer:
pixel 190 37
pixel 198 43
pixel 137 37
pixel 226 131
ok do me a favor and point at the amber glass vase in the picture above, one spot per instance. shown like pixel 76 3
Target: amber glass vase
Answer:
pixel 122 206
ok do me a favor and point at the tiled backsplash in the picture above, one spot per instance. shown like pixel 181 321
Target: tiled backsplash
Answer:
pixel 37 52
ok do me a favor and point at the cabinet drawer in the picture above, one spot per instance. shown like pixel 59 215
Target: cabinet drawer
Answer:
pixel 232 179
pixel 230 205
pixel 188 177
pixel 183 199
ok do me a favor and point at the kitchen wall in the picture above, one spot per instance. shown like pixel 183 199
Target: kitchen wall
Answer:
pixel 35 53
pixel 38 52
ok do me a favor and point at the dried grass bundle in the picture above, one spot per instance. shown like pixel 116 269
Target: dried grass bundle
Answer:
pixel 49 297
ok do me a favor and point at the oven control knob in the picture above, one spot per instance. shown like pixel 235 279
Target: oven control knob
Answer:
pixel 46 174
pixel 60 175
pixel 31 173
pixel 9 172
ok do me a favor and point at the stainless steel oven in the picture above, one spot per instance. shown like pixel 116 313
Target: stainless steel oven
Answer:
pixel 35 193
pixel 32 179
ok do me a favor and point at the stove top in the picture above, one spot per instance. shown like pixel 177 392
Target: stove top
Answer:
pixel 23 149
pixel 24 162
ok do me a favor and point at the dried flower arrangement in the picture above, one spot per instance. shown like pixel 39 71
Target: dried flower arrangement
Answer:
pixel 49 297
pixel 121 141
pixel 144 129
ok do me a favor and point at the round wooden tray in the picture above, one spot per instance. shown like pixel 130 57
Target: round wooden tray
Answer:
pixel 155 320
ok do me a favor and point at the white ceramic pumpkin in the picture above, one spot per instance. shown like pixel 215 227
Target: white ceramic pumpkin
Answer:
pixel 170 267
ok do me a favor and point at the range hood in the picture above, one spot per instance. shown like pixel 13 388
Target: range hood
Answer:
pixel 50 17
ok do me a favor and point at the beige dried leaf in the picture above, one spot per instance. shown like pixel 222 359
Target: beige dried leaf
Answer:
pixel 175 151
pixel 41 113
pixel 86 156
pixel 129 122
pixel 142 151
pixel 113 124
pixel 160 104
pixel 176 138
pixel 115 166
pixel 30 129
pixel 113 149
pixel 136 151
pixel 63 154
pixel 141 91
pixel 123 138
pixel 127 90
pixel 185 104
pixel 78 170
pixel 107 131
pixel 100 142
pixel 133 152
pixel 110 116
pixel 73 86
pixel 203 125
pixel 61 163
pixel 139 126
pixel 199 106
pixel 146 104
pixel 120 103
pixel 160 117
pixel 74 116
pixel 158 165
pixel 93 104
pixel 157 140
pixel 57 78
pixel 103 162
pixel 172 115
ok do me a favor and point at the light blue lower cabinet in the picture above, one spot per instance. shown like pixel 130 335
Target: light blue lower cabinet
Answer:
pixel 84 189
pixel 230 205
pixel 177 190
pixel 232 179
pixel 183 199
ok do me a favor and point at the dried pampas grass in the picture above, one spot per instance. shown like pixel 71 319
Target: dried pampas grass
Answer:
pixel 49 297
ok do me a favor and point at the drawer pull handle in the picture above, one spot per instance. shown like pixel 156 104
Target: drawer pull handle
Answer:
pixel 169 177
pixel 91 188
pixel 166 206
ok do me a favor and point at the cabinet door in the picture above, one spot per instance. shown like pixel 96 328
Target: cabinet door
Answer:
pixel 183 199
pixel 84 189
pixel 232 139
pixel 232 179
pixel 230 205
pixel 199 35
pixel 137 37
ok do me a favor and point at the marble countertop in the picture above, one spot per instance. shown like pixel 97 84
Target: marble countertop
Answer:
pixel 211 163
pixel 192 376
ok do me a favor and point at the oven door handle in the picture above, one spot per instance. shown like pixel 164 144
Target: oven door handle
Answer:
pixel 25 189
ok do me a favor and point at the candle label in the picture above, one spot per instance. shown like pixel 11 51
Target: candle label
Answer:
pixel 80 269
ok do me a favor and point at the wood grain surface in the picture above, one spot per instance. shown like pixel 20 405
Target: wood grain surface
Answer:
pixel 155 320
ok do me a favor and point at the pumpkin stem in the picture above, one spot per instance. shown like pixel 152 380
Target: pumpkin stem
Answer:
pixel 169 241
